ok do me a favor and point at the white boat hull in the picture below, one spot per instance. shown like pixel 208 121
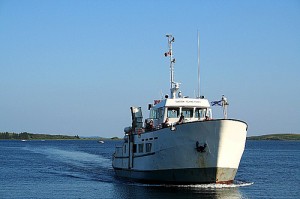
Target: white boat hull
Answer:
pixel 174 157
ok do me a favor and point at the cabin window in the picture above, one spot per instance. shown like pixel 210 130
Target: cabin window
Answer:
pixel 208 113
pixel 148 147
pixel 141 148
pixel 173 112
pixel 153 113
pixel 134 148
pixel 160 113
pixel 187 113
pixel 200 113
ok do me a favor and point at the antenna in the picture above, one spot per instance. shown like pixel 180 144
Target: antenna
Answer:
pixel 174 86
pixel 171 39
pixel 198 63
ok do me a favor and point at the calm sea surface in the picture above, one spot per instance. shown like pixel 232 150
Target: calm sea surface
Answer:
pixel 82 169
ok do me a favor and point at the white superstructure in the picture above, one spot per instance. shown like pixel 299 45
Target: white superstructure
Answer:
pixel 180 142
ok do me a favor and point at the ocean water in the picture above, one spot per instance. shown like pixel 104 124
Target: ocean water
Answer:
pixel 82 169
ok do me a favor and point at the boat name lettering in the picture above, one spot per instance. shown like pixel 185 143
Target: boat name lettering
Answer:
pixel 187 101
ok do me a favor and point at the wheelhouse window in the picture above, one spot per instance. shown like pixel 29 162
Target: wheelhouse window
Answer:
pixel 173 112
pixel 160 113
pixel 187 112
pixel 153 113
pixel 200 113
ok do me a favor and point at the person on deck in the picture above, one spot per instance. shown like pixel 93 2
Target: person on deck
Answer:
pixel 149 125
pixel 181 119
pixel 166 123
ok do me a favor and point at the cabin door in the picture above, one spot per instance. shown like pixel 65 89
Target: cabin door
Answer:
pixel 131 151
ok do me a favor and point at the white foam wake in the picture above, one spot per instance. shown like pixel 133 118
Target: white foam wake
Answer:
pixel 72 156
pixel 202 186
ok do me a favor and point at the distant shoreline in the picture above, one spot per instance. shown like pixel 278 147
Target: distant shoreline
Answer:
pixel 290 137
pixel 33 136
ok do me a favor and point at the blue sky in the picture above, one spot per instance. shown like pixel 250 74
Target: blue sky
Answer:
pixel 75 67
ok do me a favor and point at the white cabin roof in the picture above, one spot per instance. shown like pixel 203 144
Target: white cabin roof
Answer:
pixel 183 102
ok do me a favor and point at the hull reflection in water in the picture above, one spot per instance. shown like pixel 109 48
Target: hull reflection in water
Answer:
pixel 217 191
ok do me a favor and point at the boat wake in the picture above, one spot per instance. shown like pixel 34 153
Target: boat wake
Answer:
pixel 217 186
pixel 76 164
pixel 235 184
pixel 72 156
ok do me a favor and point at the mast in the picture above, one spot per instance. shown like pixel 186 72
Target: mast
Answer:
pixel 198 61
pixel 173 85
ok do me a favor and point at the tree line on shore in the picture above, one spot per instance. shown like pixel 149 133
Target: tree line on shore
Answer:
pixel 31 136
pixel 275 137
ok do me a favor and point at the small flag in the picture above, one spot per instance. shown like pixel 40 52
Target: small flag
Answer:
pixel 216 103
pixel 156 101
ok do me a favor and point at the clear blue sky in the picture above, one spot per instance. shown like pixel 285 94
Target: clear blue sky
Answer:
pixel 75 67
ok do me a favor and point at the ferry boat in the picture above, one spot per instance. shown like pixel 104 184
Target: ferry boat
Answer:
pixel 180 142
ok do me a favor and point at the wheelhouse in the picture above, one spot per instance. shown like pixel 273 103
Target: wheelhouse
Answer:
pixel 191 109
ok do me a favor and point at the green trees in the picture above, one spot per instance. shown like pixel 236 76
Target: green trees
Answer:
pixel 16 136
pixel 31 136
